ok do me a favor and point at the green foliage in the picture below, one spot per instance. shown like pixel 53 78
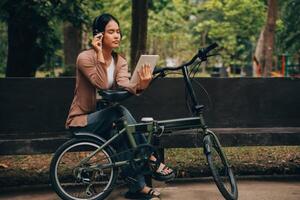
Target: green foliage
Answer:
pixel 46 17
pixel 234 24
pixel 288 31
pixel 169 32
pixel 176 28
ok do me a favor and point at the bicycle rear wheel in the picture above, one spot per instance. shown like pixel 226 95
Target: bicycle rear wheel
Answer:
pixel 74 181
pixel 221 170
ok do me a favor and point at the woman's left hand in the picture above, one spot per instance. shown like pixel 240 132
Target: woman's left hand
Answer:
pixel 145 76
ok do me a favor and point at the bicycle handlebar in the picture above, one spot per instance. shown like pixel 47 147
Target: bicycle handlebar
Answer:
pixel 209 48
pixel 202 55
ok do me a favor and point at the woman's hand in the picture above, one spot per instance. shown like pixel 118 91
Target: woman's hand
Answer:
pixel 145 76
pixel 97 45
pixel 97 42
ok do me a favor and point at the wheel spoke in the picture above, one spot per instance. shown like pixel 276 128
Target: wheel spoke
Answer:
pixel 83 181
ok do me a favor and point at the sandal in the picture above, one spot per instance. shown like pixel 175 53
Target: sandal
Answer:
pixel 142 196
pixel 158 171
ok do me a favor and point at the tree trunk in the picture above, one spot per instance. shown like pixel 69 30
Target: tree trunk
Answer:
pixel 72 44
pixel 269 37
pixel 258 55
pixel 138 30
pixel 24 56
pixel 266 42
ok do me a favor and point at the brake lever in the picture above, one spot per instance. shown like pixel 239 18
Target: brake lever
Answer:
pixel 162 74
pixel 201 55
pixel 204 57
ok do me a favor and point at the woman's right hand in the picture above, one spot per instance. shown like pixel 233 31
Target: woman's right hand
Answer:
pixel 97 42
pixel 145 76
pixel 97 45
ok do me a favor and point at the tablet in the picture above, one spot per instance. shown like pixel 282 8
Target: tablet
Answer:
pixel 144 59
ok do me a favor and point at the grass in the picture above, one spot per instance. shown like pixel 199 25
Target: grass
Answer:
pixel 34 169
pixel 245 160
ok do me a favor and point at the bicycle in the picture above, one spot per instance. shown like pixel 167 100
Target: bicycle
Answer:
pixel 87 166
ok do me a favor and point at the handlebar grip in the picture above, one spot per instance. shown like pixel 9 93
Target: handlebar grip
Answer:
pixel 157 70
pixel 209 48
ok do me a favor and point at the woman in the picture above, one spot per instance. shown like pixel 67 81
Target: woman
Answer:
pixel 101 68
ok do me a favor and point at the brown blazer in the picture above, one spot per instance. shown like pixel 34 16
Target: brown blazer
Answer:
pixel 91 75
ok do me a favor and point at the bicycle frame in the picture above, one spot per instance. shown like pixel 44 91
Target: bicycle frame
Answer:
pixel 167 125
pixel 149 129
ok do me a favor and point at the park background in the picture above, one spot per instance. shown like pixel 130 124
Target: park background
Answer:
pixel 41 38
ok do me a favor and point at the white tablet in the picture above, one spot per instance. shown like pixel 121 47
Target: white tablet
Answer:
pixel 144 59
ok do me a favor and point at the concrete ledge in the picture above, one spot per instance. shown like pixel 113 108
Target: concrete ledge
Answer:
pixel 32 118
pixel 229 137
pixel 235 137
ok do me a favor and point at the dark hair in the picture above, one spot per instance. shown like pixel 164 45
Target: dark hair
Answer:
pixel 101 21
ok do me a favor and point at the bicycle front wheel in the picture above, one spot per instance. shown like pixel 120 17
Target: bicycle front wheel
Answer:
pixel 73 180
pixel 221 170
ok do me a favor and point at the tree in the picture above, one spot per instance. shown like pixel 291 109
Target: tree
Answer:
pixel 173 29
pixel 233 24
pixel 266 42
pixel 72 44
pixel 31 36
pixel 24 54
pixel 138 30
pixel 75 32
pixel 169 30
pixel 288 33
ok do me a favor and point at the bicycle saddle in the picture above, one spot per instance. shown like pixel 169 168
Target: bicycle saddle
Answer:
pixel 114 95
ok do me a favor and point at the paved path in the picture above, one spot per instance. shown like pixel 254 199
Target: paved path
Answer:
pixel 248 190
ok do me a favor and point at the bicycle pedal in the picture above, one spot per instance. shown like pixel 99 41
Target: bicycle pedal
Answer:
pixel 86 180
pixel 89 193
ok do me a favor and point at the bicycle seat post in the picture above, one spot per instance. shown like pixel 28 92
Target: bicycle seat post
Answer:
pixel 130 130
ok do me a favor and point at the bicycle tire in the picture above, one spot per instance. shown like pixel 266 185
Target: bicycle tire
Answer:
pixel 58 155
pixel 212 149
